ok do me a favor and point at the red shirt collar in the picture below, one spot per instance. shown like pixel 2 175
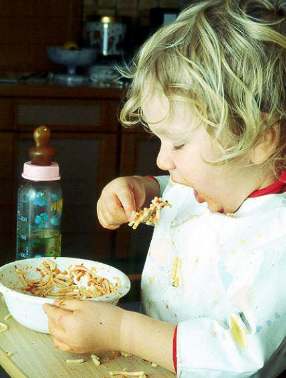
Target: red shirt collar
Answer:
pixel 278 186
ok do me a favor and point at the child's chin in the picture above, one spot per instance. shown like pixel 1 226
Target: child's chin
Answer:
pixel 199 197
pixel 213 206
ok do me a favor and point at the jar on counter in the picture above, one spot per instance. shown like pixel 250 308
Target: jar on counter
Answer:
pixel 106 35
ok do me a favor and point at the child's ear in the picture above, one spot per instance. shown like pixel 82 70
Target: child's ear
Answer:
pixel 266 146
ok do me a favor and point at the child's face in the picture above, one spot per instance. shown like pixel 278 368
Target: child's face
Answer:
pixel 185 145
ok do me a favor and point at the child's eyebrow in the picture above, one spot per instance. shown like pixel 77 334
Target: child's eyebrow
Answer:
pixel 167 133
pixel 153 125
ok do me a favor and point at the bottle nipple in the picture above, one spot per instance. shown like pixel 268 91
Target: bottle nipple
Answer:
pixel 42 153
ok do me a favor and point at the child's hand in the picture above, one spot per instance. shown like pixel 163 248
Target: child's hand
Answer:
pixel 123 196
pixel 83 326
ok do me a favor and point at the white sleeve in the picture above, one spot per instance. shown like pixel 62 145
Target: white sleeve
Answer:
pixel 251 341
pixel 163 182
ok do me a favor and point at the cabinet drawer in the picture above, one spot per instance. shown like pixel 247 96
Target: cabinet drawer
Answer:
pixel 68 115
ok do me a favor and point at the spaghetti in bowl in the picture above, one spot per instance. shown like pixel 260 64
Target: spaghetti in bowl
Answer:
pixel 27 284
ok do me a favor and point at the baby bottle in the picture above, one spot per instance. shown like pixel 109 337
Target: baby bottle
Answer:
pixel 39 205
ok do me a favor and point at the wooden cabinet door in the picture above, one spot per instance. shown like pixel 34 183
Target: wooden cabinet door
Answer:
pixel 138 156
pixel 87 161
pixel 7 198
pixel 7 183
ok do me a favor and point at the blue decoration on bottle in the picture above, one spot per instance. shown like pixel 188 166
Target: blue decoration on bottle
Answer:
pixel 42 219
pixel 40 199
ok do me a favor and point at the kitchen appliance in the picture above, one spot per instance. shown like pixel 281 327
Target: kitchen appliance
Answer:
pixel 106 35
pixel 71 58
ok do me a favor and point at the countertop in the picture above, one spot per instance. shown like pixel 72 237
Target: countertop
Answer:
pixel 50 90
pixel 33 355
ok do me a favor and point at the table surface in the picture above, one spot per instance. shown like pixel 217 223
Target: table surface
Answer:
pixel 33 355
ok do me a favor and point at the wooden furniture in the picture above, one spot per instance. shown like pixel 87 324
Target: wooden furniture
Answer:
pixel 33 355
pixel 28 27
pixel 92 149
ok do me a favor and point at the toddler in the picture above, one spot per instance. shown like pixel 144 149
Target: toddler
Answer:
pixel 211 87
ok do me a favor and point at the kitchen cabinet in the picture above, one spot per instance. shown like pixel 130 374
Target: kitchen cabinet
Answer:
pixel 92 149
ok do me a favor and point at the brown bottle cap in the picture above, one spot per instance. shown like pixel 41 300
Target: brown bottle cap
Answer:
pixel 42 153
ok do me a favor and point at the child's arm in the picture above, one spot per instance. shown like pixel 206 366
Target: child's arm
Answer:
pixel 148 338
pixel 123 196
pixel 83 327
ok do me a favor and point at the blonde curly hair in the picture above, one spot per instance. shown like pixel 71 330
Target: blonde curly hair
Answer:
pixel 227 59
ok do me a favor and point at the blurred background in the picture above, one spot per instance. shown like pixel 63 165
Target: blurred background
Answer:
pixel 57 69
pixel 28 27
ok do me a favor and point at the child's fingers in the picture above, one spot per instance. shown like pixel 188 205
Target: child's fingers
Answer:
pixel 60 320
pixel 68 304
pixel 127 201
pixel 61 345
pixel 105 218
pixel 54 313
pixel 56 331
pixel 115 209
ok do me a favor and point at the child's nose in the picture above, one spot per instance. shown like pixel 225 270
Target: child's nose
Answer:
pixel 164 160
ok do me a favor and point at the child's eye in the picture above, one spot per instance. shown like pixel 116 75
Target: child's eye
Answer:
pixel 179 147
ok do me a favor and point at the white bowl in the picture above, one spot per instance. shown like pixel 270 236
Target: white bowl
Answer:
pixel 28 309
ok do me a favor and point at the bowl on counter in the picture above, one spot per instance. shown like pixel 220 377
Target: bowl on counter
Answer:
pixel 71 57
pixel 27 308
